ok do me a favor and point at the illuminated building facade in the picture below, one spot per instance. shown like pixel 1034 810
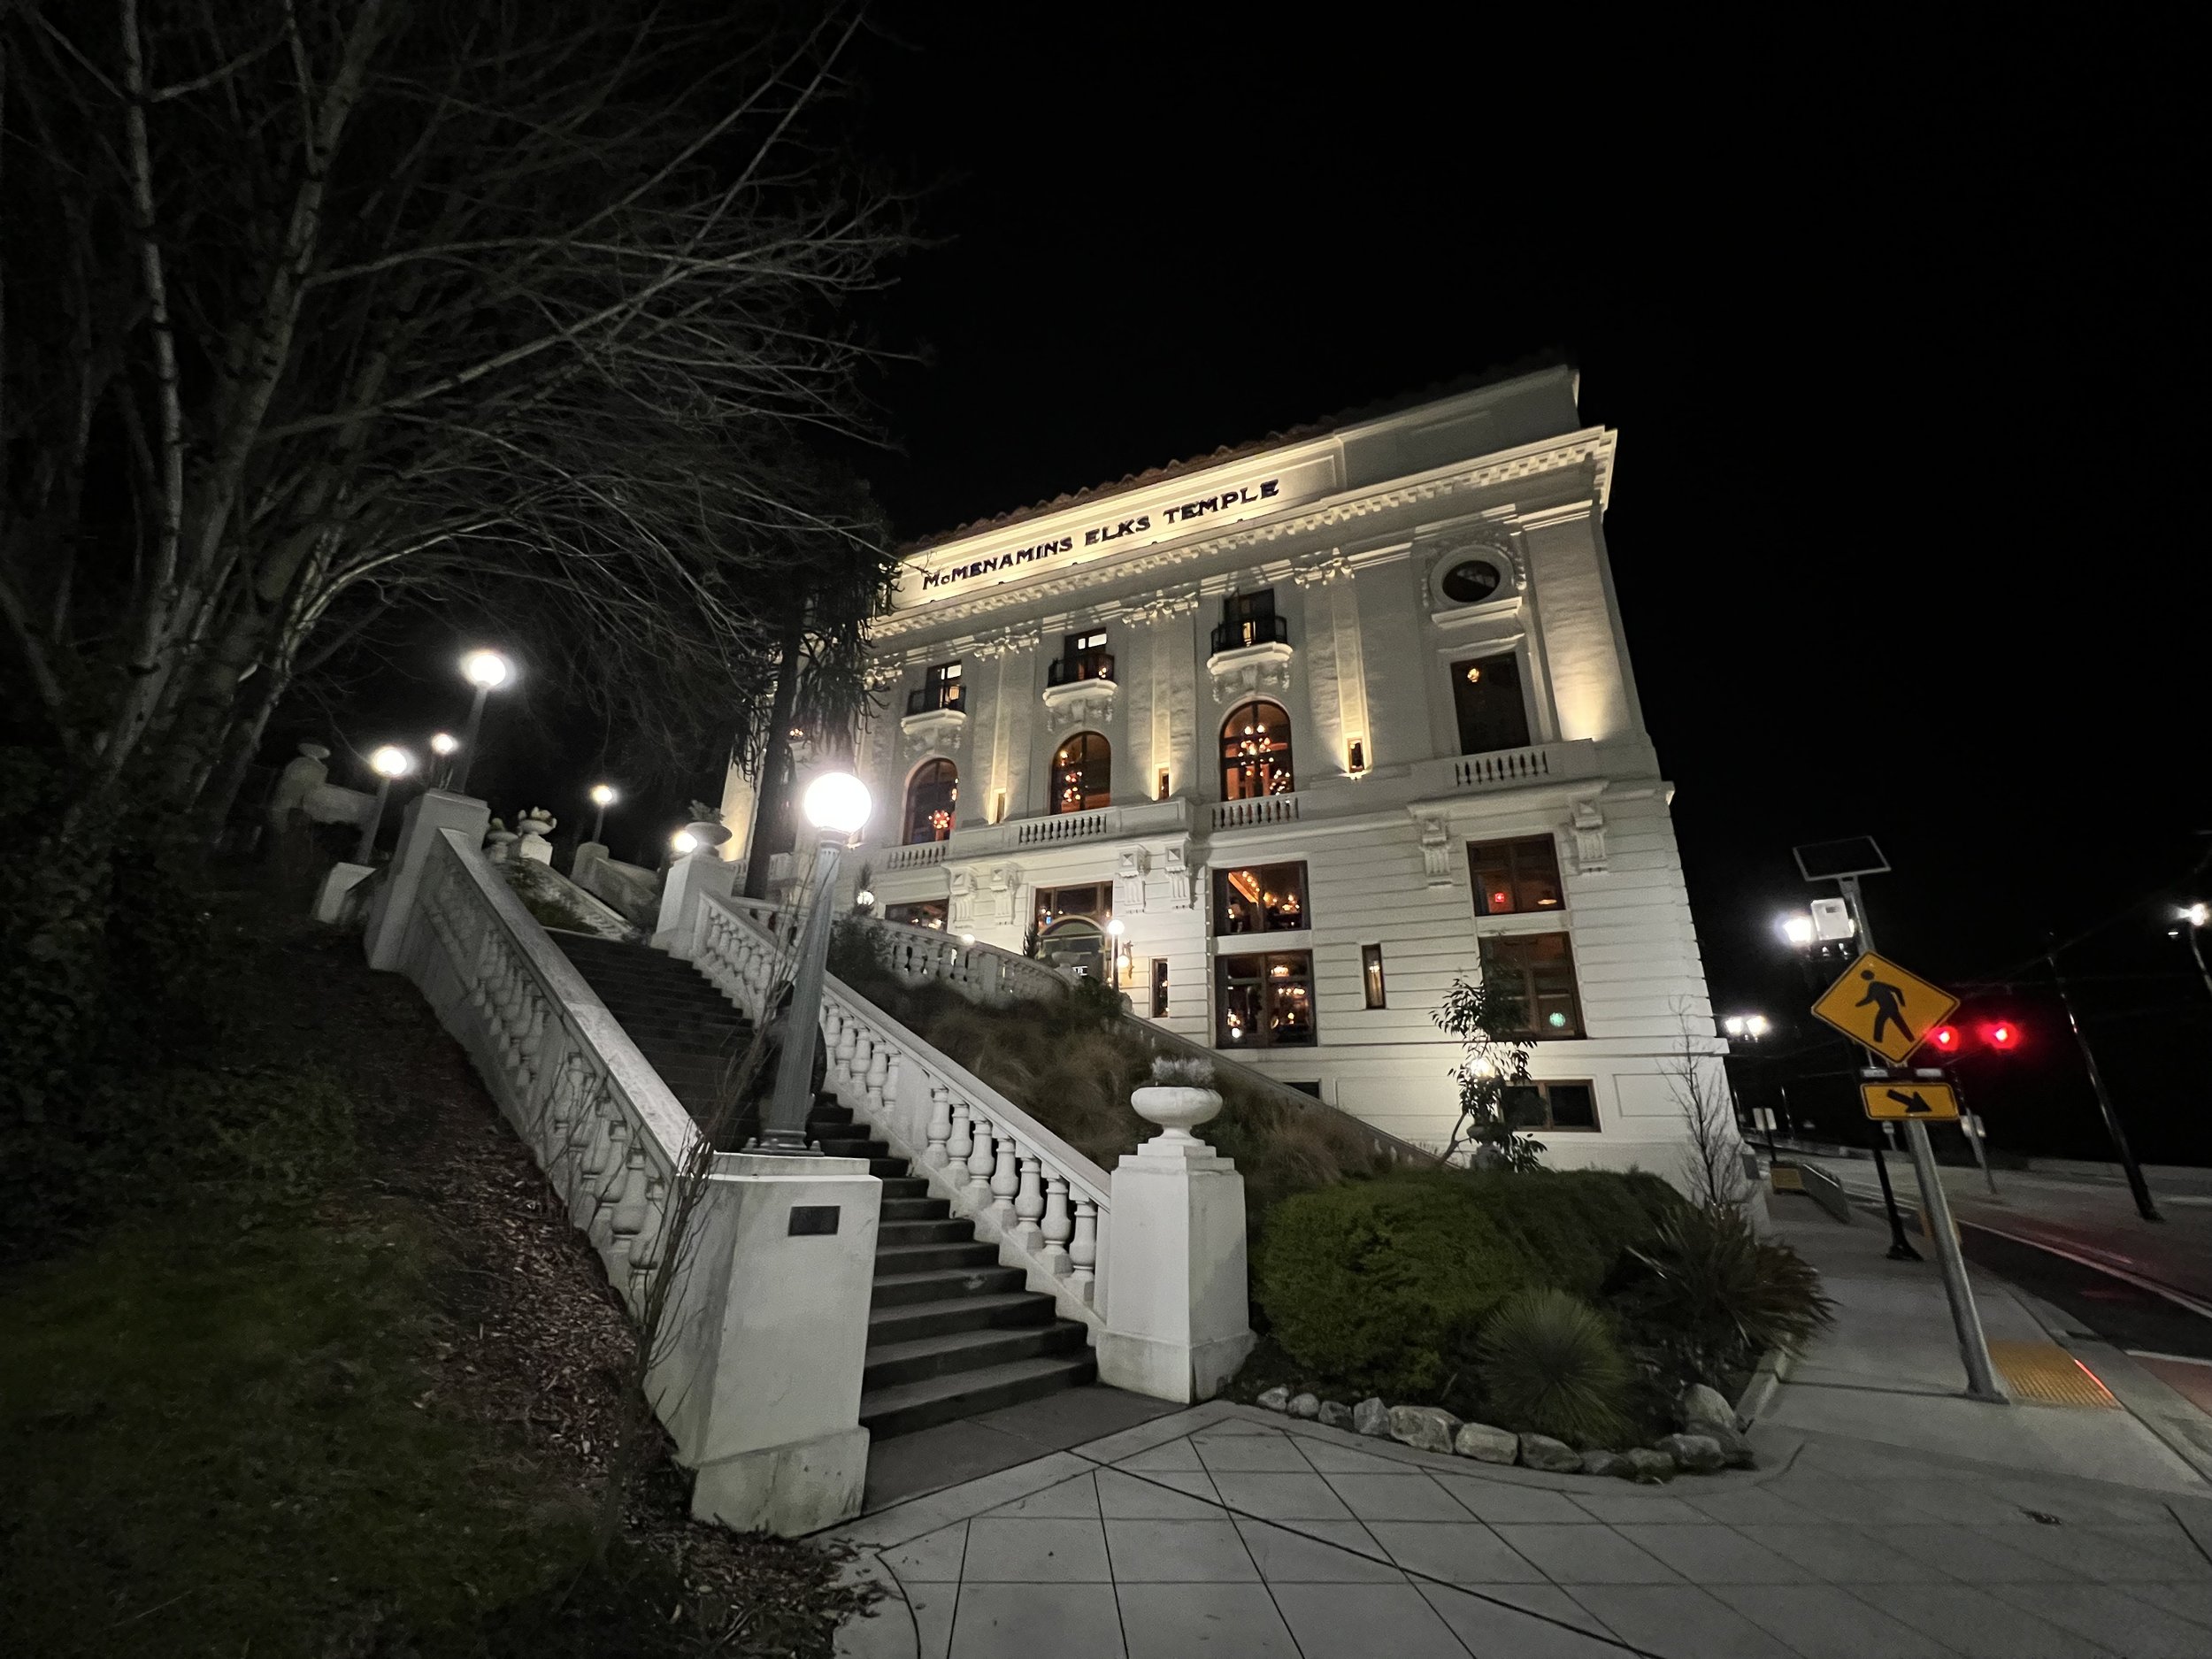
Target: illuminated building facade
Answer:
pixel 1322 724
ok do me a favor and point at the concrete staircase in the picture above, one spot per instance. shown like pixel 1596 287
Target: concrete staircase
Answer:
pixel 950 1333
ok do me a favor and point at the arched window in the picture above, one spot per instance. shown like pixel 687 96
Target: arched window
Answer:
pixel 930 795
pixel 1256 752
pixel 1082 773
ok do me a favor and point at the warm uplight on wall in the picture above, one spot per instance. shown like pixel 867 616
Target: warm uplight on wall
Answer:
pixel 998 806
pixel 1356 753
pixel 1474 673
pixel 1163 795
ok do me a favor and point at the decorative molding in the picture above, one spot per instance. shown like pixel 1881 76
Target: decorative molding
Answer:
pixel 1164 606
pixel 1251 670
pixel 1436 851
pixel 1587 825
pixel 1177 862
pixel 1130 866
pixel 1078 703
pixel 940 730
pixel 1592 448
pixel 990 647
pixel 1315 569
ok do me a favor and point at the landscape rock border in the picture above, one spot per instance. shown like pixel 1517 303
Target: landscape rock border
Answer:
pixel 1711 1438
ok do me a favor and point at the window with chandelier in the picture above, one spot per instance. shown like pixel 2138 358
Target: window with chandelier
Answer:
pixel 932 794
pixel 1082 773
pixel 1256 752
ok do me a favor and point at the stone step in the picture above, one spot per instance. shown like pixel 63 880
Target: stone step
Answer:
pixel 838 1147
pixel 947 1229
pixel 949 1352
pixel 906 1322
pixel 904 1187
pixel 907 1407
pixel 915 1209
pixel 895 1259
pixel 910 1288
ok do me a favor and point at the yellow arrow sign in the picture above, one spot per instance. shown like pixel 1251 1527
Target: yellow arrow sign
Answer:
pixel 1878 1003
pixel 1930 1102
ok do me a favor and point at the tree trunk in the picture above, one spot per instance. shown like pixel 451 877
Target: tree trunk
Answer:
pixel 772 813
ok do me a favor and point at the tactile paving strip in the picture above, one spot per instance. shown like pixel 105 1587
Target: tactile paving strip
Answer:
pixel 2045 1374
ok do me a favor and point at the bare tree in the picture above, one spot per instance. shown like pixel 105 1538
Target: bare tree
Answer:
pixel 311 307
pixel 1713 1162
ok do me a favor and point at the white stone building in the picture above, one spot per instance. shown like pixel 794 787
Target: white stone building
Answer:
pixel 1321 724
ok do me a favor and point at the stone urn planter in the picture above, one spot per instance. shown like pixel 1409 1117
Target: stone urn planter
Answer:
pixel 1176 1108
pixel 535 826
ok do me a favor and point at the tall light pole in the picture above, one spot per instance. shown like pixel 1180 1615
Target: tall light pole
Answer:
pixel 2137 1185
pixel 2193 917
pixel 387 763
pixel 485 671
pixel 837 804
pixel 602 796
pixel 442 744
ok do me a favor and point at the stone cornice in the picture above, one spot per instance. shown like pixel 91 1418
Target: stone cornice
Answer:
pixel 1592 447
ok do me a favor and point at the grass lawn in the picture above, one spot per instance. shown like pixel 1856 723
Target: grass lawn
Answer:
pixel 369 1417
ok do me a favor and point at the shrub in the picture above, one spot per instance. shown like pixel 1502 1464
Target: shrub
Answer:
pixel 1715 1294
pixel 1381 1284
pixel 1547 1363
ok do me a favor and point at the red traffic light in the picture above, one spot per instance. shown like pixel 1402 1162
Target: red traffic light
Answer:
pixel 2001 1034
pixel 1943 1038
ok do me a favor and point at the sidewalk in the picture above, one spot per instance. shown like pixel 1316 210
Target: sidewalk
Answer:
pixel 1226 1531
pixel 1888 1372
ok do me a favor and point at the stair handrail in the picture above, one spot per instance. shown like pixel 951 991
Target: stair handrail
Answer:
pixel 989 968
pixel 608 1132
pixel 1047 1206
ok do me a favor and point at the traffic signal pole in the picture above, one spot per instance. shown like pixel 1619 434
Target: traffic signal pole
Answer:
pixel 1966 1319
pixel 2144 1207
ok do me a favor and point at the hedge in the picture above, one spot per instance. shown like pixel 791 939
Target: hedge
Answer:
pixel 1382 1284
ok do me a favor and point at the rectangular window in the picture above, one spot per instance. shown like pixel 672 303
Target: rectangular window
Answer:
pixel 1553 1106
pixel 1159 987
pixel 940 690
pixel 927 913
pixel 1487 695
pixel 1057 905
pixel 1513 877
pixel 1265 1001
pixel 1264 899
pixel 1371 974
pixel 1082 656
pixel 1249 619
pixel 1538 972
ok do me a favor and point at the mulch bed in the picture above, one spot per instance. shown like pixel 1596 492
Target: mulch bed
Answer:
pixel 534 1344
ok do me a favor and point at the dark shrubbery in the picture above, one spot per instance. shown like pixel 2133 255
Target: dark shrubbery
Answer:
pixel 1549 1363
pixel 1706 1290
pixel 1384 1283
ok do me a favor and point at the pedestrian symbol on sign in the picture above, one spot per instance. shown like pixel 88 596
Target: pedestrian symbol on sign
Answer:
pixel 1879 1004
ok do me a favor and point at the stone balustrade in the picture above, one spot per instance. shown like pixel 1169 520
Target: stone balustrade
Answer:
pixel 1047 1207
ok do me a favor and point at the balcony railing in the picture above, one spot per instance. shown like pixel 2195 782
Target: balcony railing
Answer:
pixel 1067 670
pixel 1266 809
pixel 1235 636
pixel 951 694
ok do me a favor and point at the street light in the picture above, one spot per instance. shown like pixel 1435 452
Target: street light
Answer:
pixel 442 744
pixel 1797 927
pixel 1114 929
pixel 387 763
pixel 684 842
pixel 602 796
pixel 1749 1026
pixel 837 804
pixel 2194 917
pixel 485 671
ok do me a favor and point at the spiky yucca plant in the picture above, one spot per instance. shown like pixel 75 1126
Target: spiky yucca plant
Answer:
pixel 1717 1286
pixel 1548 1363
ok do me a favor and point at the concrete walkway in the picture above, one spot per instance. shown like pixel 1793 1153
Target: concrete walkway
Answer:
pixel 1226 1531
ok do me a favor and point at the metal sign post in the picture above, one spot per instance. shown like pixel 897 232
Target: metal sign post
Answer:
pixel 1966 1319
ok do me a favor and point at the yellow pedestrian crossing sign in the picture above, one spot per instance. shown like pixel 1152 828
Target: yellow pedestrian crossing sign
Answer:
pixel 1897 1103
pixel 1878 1003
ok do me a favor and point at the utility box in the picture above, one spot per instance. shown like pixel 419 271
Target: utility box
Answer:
pixel 1832 919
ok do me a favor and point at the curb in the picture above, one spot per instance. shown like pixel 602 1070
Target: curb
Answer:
pixel 1771 1373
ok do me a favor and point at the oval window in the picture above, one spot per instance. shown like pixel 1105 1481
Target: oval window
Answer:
pixel 1472 582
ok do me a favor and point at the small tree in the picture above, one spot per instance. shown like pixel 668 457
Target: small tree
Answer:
pixel 1495 1100
pixel 1713 1162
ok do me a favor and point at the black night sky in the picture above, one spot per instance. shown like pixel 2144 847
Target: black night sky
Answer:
pixel 1901 364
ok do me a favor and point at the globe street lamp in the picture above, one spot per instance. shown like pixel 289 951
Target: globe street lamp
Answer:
pixel 387 763
pixel 442 744
pixel 602 796
pixel 837 804
pixel 485 671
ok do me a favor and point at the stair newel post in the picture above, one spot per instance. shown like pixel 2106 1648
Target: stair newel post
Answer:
pixel 1029 1204
pixel 1058 1227
pixel 981 1163
pixel 1083 1253
pixel 939 1130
